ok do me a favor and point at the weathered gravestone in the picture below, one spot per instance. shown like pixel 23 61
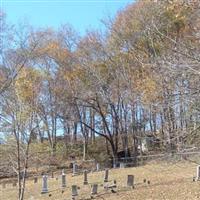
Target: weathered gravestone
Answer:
pixel 106 176
pixel 75 168
pixel 130 181
pixel 63 179
pixel 44 184
pixel 94 189
pixel 74 192
pixel 85 181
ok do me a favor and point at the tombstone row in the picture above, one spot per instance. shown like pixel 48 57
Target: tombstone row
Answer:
pixel 94 188
pixel 45 182
pixel 130 183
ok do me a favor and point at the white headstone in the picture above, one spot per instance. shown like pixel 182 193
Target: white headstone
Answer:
pixel 44 184
pixel 198 173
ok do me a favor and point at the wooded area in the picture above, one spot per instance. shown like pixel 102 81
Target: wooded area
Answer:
pixel 105 92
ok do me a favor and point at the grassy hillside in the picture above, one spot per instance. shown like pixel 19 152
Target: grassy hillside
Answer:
pixel 167 181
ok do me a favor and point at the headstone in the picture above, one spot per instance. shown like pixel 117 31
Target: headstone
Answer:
pixel 97 167
pixel 85 181
pixel 44 184
pixel 74 169
pixel 74 191
pixel 106 176
pixel 63 180
pixel 94 189
pixel 35 179
pixel 130 181
pixel 198 173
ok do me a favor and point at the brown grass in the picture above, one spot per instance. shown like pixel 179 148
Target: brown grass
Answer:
pixel 169 181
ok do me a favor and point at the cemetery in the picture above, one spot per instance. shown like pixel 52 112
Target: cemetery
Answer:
pixel 99 99
pixel 159 180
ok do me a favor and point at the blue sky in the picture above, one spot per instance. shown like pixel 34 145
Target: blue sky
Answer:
pixel 81 14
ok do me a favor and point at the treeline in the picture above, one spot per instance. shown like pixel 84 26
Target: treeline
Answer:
pixel 140 77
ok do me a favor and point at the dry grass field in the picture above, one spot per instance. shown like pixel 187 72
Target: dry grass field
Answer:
pixel 167 181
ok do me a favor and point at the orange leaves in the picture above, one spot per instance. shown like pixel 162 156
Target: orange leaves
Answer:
pixel 27 85
pixel 49 45
pixel 54 50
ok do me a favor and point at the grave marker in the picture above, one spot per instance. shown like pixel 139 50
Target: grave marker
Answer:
pixel 106 176
pixel 130 181
pixel 198 173
pixel 44 184
pixel 94 189
pixel 85 181
pixel 63 180
pixel 74 169
pixel 74 191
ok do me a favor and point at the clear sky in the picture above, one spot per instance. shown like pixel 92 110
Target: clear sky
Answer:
pixel 81 14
